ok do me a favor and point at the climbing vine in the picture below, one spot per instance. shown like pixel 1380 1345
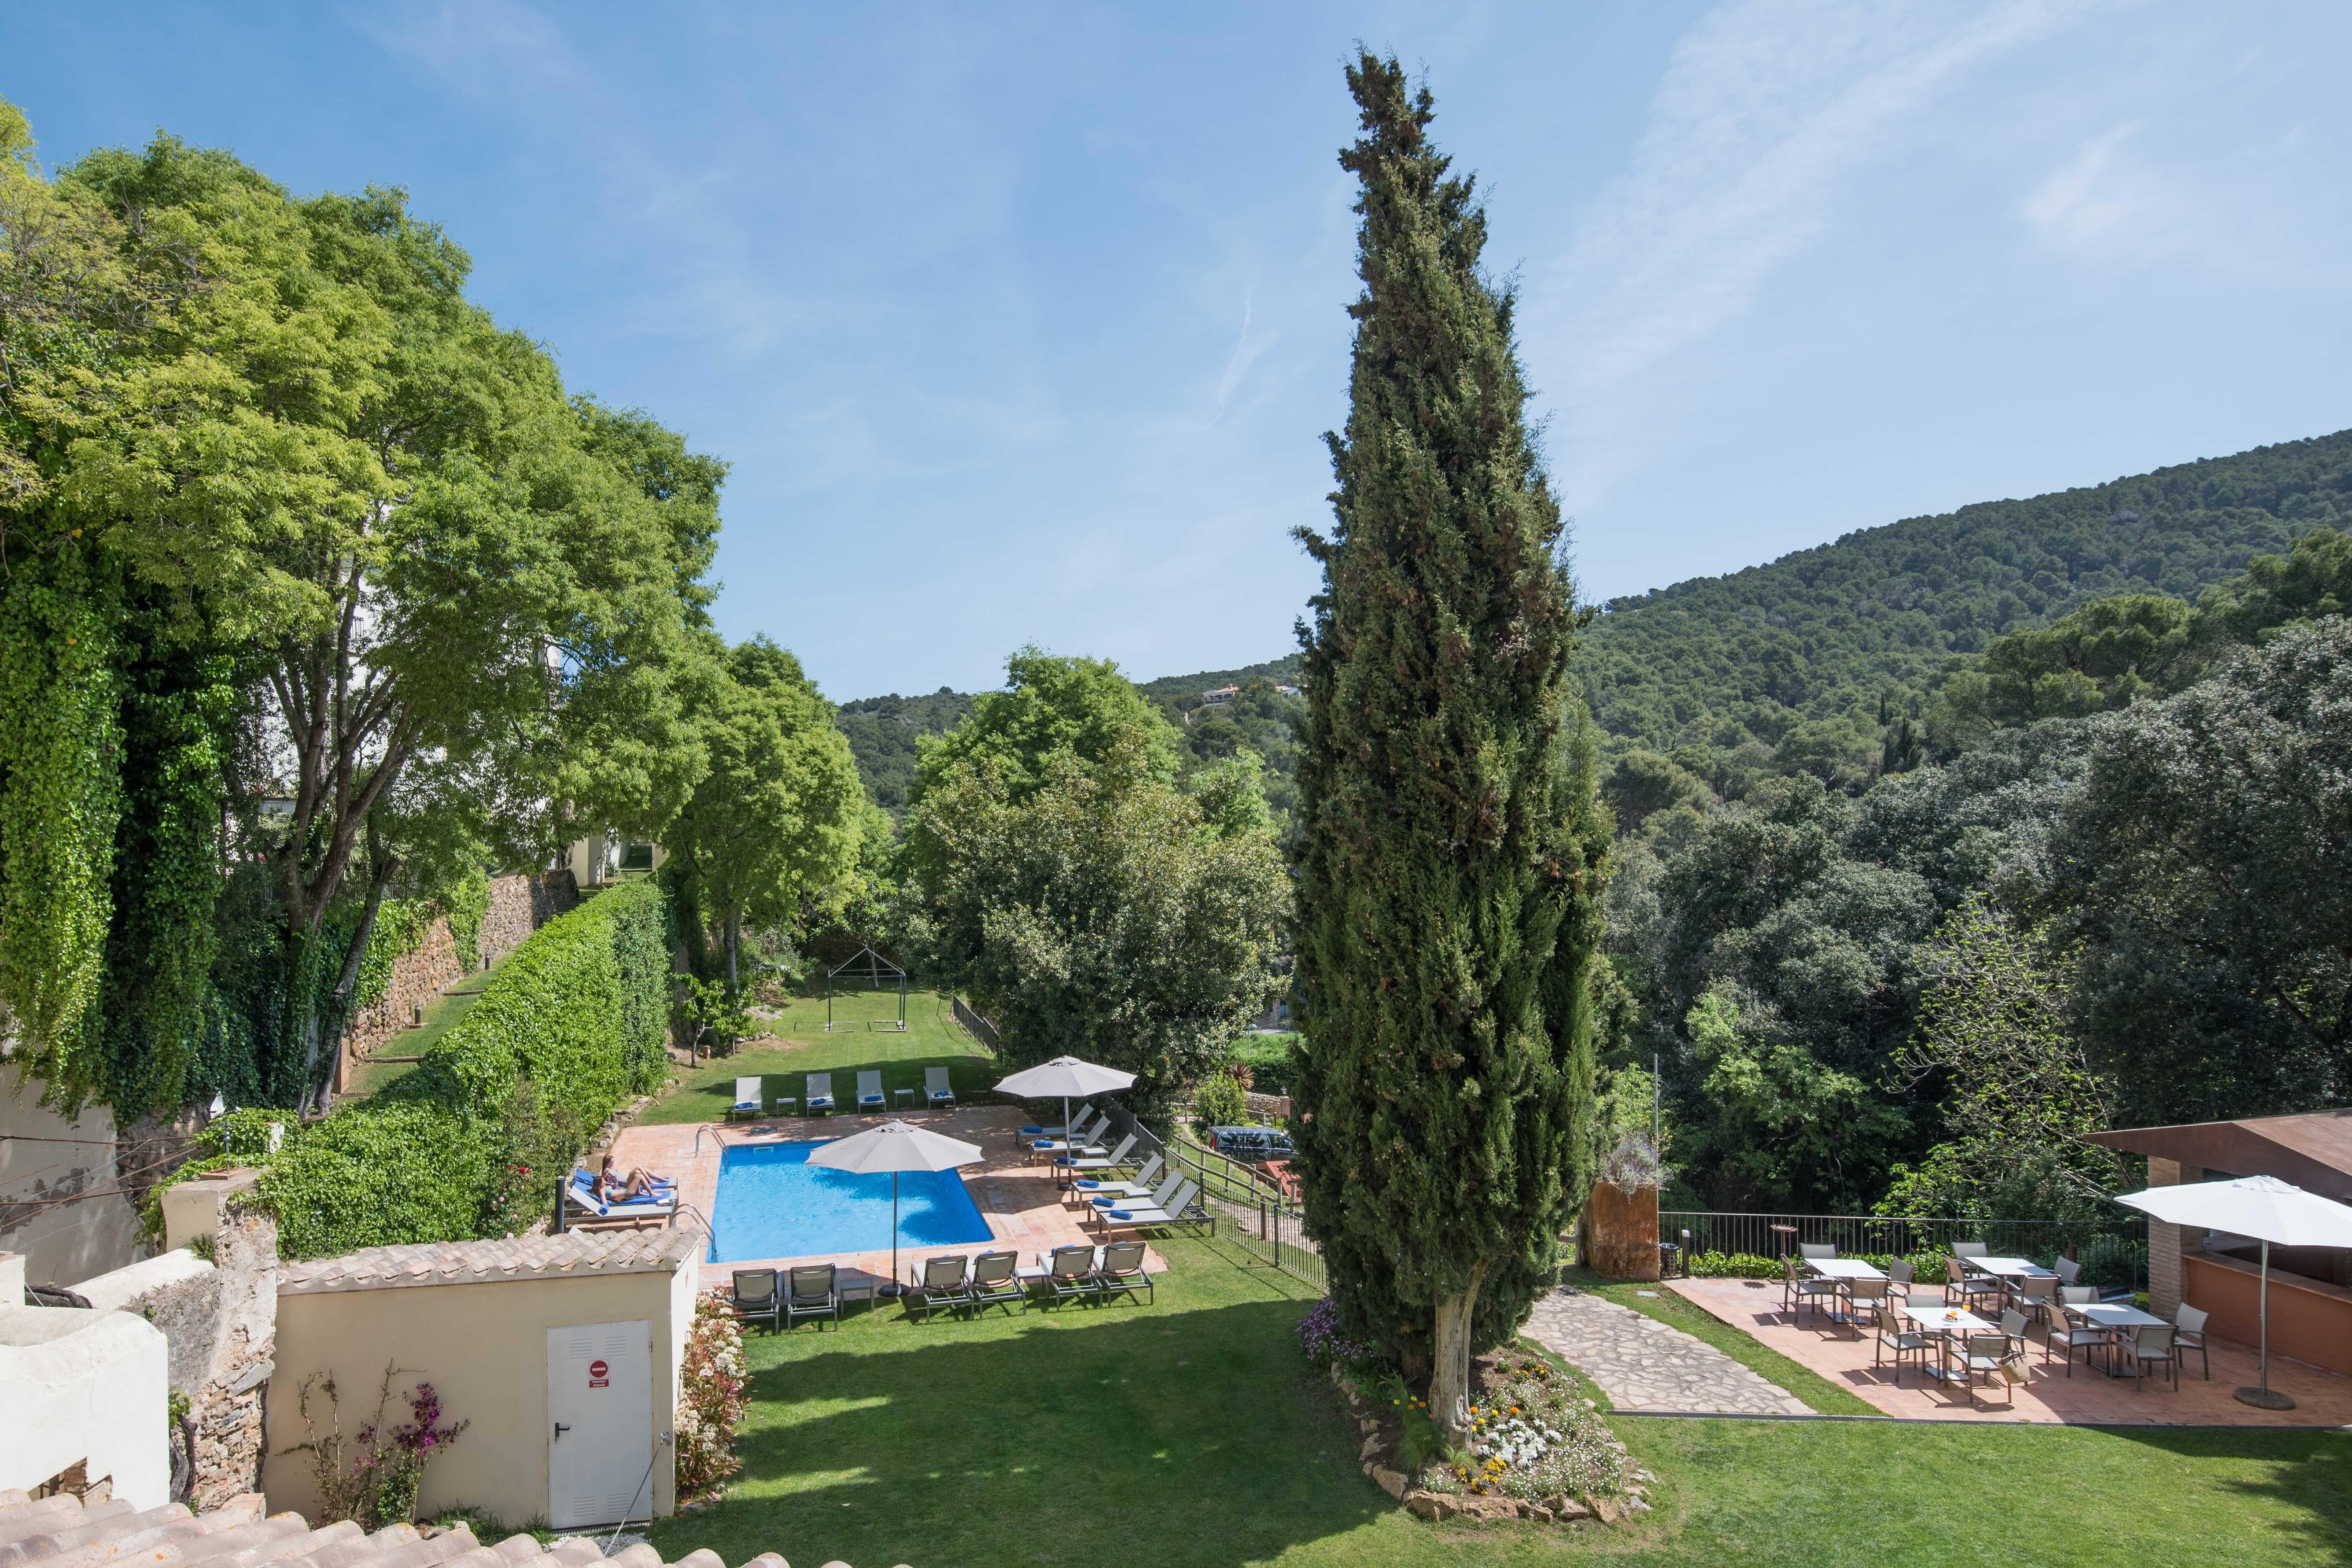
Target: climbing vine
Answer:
pixel 60 797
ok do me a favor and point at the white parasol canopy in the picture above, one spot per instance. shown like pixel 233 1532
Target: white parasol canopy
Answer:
pixel 893 1146
pixel 1065 1078
pixel 2262 1207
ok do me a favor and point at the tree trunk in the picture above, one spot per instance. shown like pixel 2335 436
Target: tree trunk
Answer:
pixel 1449 1382
pixel 734 931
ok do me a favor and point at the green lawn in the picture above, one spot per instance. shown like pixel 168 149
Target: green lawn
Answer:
pixel 802 1046
pixel 440 1013
pixel 1189 1432
pixel 1268 1057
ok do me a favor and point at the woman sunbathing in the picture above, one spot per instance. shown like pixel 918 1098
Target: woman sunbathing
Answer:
pixel 615 1188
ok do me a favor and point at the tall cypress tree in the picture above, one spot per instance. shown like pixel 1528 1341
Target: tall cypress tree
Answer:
pixel 1451 853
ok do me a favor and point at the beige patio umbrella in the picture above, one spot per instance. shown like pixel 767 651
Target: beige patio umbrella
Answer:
pixel 894 1147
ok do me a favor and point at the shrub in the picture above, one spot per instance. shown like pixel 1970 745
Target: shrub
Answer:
pixel 474 1141
pixel 1218 1101
pixel 377 1485
pixel 712 1402
pixel 1320 1337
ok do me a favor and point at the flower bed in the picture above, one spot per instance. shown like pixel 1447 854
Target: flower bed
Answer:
pixel 1538 1450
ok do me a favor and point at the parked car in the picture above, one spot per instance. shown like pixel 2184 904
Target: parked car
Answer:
pixel 1251 1145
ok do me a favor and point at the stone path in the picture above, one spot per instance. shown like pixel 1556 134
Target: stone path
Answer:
pixel 1644 1364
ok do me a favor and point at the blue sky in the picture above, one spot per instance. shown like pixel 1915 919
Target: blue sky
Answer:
pixel 1023 324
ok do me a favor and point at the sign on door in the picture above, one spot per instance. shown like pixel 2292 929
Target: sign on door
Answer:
pixel 600 1424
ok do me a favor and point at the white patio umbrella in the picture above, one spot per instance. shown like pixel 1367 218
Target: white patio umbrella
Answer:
pixel 2266 1209
pixel 894 1147
pixel 1066 1077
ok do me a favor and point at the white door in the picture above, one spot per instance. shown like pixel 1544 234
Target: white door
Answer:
pixel 599 1408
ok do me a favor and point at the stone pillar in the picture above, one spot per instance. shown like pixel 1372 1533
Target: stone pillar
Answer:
pixel 2164 1241
pixel 227 1411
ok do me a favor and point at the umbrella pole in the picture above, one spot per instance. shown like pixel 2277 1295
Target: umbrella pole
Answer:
pixel 2264 1398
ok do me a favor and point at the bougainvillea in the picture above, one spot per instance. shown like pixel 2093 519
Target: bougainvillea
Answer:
pixel 713 1401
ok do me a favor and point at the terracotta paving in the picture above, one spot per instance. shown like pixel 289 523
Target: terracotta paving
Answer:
pixel 1843 1355
pixel 1024 1208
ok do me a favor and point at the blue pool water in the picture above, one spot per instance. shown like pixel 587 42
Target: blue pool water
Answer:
pixel 773 1203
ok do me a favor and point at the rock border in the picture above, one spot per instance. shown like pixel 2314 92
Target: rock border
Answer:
pixel 1379 1450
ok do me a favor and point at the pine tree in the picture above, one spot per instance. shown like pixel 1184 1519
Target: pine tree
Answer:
pixel 1451 849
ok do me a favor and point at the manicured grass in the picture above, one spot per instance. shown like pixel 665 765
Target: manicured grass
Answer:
pixel 1817 1392
pixel 802 1046
pixel 1189 1432
pixel 440 1014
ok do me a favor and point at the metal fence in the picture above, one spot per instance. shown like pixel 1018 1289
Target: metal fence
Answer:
pixel 978 1027
pixel 1251 1208
pixel 2122 1251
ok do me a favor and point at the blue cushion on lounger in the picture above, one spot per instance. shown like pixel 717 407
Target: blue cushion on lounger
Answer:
pixel 1120 1213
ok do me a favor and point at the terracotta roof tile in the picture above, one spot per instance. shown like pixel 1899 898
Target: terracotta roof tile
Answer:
pixel 495 1262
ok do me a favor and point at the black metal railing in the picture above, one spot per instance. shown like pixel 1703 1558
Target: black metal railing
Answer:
pixel 1257 1216
pixel 978 1027
pixel 2121 1250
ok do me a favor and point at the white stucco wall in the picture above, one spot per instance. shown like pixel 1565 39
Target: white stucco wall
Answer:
pixel 90 1386
pixel 45 1157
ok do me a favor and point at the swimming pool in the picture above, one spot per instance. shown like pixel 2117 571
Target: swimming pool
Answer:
pixel 773 1203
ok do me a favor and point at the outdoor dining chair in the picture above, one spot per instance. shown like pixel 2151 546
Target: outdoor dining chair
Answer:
pixel 2191 1323
pixel 2069 1272
pixel 1811 1290
pixel 1984 1355
pixel 1900 1272
pixel 2147 1346
pixel 1817 1249
pixel 2037 1296
pixel 1866 1295
pixel 1902 1337
pixel 1964 1288
pixel 815 1292
pixel 2069 1335
pixel 754 1296
pixel 995 1283
pixel 944 1280
pixel 1969 1249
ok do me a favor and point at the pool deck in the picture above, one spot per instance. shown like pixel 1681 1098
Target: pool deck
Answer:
pixel 1023 1209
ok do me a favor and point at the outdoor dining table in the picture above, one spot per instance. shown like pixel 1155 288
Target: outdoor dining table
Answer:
pixel 2113 1316
pixel 2005 1267
pixel 1946 1323
pixel 1842 1269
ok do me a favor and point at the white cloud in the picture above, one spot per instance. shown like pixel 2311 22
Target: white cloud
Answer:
pixel 1766 110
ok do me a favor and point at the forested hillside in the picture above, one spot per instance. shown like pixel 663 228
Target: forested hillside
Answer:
pixel 1802 659
pixel 883 733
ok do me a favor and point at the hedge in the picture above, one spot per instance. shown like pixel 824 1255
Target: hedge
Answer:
pixel 474 1141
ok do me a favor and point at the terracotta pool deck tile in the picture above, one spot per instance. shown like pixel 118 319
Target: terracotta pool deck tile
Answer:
pixel 1844 1356
pixel 1017 1197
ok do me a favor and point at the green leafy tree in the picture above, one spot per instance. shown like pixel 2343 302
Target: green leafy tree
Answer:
pixel 2200 870
pixel 778 815
pixel 1452 846
pixel 2021 1094
pixel 1641 784
pixel 1053 707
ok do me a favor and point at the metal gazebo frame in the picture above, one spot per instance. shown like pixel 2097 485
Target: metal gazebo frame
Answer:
pixel 877 972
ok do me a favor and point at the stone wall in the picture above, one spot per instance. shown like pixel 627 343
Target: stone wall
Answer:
pixel 1267 1107
pixel 518 906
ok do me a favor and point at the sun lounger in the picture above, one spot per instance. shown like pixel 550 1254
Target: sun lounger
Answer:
pixel 586 1210
pixel 1078 1124
pixel 937 1091
pixel 1069 1166
pixel 754 1296
pixel 1120 1270
pixel 820 1093
pixel 869 1092
pixel 940 1279
pixel 1179 1210
pixel 747 1099
pixel 1070 1271
pixel 814 1293
pixel 1140 1187
pixel 995 1282
pixel 1152 1199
